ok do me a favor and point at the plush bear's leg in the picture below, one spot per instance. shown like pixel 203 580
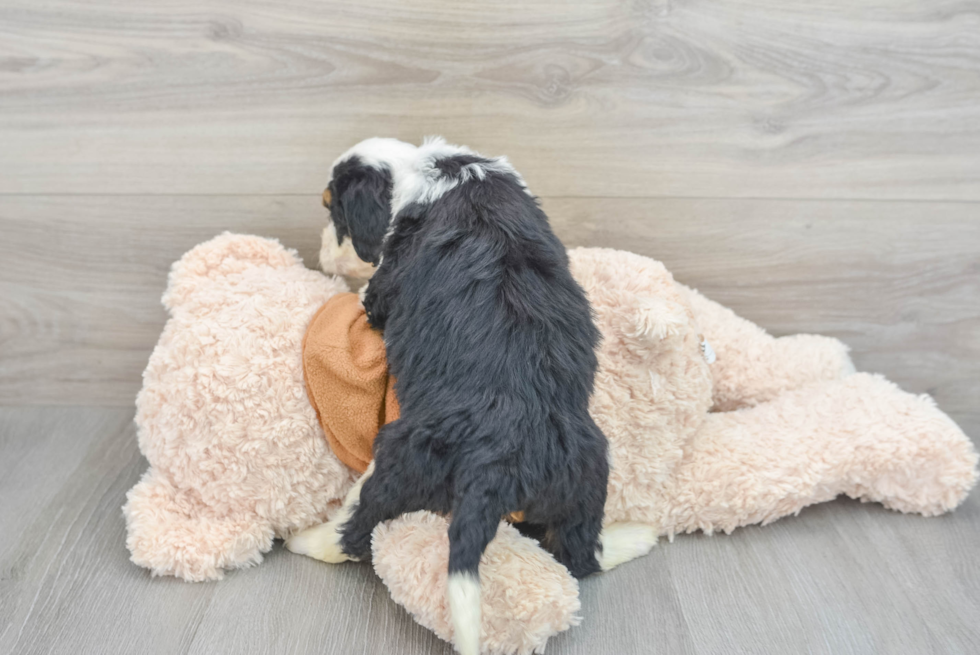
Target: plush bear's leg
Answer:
pixel 526 596
pixel 172 533
pixel 752 366
pixel 861 436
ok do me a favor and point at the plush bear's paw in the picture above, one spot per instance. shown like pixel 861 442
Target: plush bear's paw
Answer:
pixel 320 542
pixel 170 533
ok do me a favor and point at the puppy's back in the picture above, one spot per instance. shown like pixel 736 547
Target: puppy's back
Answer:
pixel 487 309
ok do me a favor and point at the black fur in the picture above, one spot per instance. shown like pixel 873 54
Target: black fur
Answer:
pixel 492 344
pixel 361 206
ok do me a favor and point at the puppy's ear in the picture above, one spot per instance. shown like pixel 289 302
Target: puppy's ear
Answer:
pixel 365 202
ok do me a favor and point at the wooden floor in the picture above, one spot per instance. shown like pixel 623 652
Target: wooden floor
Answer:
pixel 816 166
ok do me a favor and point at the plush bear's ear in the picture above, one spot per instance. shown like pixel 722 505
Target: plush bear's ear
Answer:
pixel 225 256
pixel 656 319
pixel 360 205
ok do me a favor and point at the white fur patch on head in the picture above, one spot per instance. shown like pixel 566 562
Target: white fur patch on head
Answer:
pixel 414 174
pixel 341 259
pixel 422 181
pixel 463 592
pixel 379 152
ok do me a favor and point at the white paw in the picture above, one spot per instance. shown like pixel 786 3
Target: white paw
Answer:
pixel 622 542
pixel 320 542
pixel 847 367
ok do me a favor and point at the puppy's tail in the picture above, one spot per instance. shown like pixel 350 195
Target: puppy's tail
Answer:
pixel 474 524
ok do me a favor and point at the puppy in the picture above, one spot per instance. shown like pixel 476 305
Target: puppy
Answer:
pixel 492 344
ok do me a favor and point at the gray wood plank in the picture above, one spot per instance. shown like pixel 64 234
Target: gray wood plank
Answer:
pixel 81 278
pixel 768 98
pixel 839 578
pixel 68 585
pixel 730 141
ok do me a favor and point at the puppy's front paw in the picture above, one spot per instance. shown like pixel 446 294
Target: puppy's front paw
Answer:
pixel 373 307
pixel 320 542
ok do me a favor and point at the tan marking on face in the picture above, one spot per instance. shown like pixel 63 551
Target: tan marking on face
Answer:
pixel 327 197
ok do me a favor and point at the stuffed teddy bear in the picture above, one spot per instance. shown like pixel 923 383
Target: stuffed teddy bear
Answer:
pixel 712 424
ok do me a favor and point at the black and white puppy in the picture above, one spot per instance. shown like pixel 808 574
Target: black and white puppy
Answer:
pixel 492 344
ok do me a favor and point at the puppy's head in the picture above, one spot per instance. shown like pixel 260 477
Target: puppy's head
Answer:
pixel 359 200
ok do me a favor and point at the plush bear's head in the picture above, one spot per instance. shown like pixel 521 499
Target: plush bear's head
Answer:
pixel 236 453
pixel 653 387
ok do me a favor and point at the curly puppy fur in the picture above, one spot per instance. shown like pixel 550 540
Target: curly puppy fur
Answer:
pixel 492 344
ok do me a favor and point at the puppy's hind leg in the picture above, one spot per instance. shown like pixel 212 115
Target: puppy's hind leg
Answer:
pixel 398 480
pixel 407 479
pixel 322 541
pixel 573 537
pixel 581 543
pixel 574 541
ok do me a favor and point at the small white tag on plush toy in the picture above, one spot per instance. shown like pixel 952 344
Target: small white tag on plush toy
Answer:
pixel 708 351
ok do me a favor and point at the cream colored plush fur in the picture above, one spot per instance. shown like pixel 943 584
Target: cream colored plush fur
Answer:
pixel 236 452
pixel 237 456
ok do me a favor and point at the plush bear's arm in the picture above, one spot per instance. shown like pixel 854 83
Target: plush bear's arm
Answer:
pixel 752 366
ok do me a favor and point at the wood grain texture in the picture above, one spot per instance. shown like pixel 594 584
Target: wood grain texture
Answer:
pixel 841 578
pixel 898 282
pixel 68 586
pixel 760 98
pixel 81 278
pixel 815 166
